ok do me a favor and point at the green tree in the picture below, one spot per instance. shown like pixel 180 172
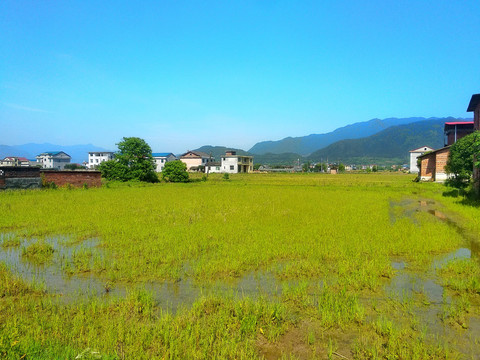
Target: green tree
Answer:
pixel 461 160
pixel 133 161
pixel 175 171
pixel 341 167
pixel 306 167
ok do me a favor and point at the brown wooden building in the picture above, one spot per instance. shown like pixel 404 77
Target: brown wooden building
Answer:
pixel 474 106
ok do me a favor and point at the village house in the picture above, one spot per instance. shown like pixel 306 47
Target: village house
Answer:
pixel 233 163
pixel 53 160
pixel 414 154
pixel 15 161
pixel 194 160
pixel 432 165
pixel 474 106
pixel 95 158
pixel 161 159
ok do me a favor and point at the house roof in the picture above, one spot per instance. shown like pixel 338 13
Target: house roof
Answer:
pixel 474 101
pixel 422 148
pixel 161 154
pixel 198 153
pixel 459 123
pixel 434 151
pixel 53 153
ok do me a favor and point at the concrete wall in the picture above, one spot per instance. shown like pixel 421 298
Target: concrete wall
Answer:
pixel 74 178
pixel 20 178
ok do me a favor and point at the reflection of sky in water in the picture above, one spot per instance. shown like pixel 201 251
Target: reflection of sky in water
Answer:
pixel 169 295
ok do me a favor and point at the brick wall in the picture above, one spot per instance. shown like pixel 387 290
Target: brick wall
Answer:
pixel 20 172
pixel 441 160
pixel 15 177
pixel 427 167
pixel 75 178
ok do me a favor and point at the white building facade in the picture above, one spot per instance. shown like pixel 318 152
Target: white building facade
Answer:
pixel 233 163
pixel 414 154
pixel 213 167
pixel 95 158
pixel 53 160
pixel 161 159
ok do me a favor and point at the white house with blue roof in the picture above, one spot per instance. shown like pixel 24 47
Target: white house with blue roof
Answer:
pixel 161 159
pixel 53 160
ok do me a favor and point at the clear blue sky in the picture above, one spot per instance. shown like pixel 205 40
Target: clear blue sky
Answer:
pixel 182 74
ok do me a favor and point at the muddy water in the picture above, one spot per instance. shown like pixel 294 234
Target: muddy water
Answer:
pixel 408 285
pixel 170 296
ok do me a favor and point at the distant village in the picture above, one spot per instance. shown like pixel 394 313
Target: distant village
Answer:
pixel 195 161
pixel 429 163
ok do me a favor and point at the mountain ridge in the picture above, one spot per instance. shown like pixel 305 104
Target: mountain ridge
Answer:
pixel 305 145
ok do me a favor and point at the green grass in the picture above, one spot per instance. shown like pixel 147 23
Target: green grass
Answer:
pixel 327 240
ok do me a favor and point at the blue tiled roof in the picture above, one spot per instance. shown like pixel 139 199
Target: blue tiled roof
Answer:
pixel 161 154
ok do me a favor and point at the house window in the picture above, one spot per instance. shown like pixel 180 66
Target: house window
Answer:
pixel 218 168
pixel 232 167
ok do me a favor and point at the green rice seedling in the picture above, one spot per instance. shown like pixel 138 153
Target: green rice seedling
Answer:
pixel 339 308
pixel 303 229
pixel 457 312
pixel 462 275
pixel 38 252
pixel 10 241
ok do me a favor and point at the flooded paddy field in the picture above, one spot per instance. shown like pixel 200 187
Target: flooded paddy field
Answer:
pixel 260 266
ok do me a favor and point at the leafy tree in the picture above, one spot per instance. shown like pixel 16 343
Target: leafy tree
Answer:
pixel 133 161
pixel 461 160
pixel 341 167
pixel 320 167
pixel 175 171
pixel 306 167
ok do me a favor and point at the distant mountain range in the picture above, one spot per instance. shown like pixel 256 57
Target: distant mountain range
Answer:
pixel 305 145
pixel 79 153
pixel 388 146
pixel 378 141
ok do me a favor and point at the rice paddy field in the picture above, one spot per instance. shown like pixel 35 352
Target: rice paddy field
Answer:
pixel 272 266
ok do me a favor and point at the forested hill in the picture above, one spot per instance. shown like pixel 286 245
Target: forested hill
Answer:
pixel 391 145
pixel 305 145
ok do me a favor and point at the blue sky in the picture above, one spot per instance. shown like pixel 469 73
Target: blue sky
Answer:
pixel 182 74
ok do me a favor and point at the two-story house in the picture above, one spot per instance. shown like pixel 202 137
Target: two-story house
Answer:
pixel 233 163
pixel 53 160
pixel 15 161
pixel 195 159
pixel 95 158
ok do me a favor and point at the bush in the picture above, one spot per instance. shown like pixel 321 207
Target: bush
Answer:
pixel 175 171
